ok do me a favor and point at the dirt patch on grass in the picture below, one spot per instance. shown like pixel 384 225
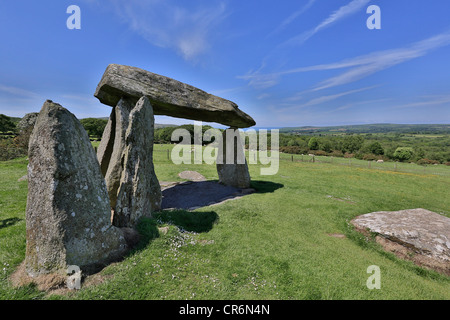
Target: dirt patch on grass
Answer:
pixel 44 282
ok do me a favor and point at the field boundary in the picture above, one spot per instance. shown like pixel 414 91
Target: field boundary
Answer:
pixel 164 155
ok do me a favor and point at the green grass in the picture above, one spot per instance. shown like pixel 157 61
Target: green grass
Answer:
pixel 439 169
pixel 273 244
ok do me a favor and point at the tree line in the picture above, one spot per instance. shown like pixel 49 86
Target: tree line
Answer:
pixel 385 146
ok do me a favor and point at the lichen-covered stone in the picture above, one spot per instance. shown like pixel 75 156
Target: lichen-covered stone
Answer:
pixel 419 235
pixel 68 212
pixel 112 146
pixel 139 193
pixel 168 96
pixel 27 122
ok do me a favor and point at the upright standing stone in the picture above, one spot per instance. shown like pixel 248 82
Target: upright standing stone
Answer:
pixel 106 145
pixel 112 147
pixel 232 165
pixel 27 121
pixel 68 212
pixel 139 193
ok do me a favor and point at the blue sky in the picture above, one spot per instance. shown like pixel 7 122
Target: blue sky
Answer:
pixel 286 63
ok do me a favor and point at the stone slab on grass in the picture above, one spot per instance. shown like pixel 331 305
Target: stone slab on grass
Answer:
pixel 419 235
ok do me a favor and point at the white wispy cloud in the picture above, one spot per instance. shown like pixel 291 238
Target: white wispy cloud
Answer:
pixel 264 81
pixel 358 67
pixel 343 12
pixel 358 104
pixel 17 91
pixel 323 99
pixel 292 18
pixel 427 102
pixel 169 24
pixel 367 65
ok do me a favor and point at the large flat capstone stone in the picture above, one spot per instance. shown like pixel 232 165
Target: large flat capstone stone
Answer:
pixel 168 96
pixel 419 235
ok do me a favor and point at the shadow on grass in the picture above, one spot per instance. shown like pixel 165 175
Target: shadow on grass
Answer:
pixel 194 221
pixel 185 220
pixel 265 186
pixel 193 195
pixel 188 220
pixel 8 222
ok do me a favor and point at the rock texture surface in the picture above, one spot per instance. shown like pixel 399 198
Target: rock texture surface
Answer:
pixel 139 193
pixel 168 96
pixel 231 164
pixel 68 213
pixel 419 235
pixel 27 122
pixel 112 146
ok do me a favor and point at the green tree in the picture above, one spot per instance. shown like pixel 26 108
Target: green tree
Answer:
pixel 403 153
pixel 292 143
pixel 325 145
pixel 376 148
pixel 352 143
pixel 313 144
pixel 94 126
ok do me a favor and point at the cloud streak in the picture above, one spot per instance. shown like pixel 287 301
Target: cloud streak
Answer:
pixel 17 92
pixel 431 101
pixel 358 67
pixel 292 18
pixel 324 99
pixel 168 24
pixel 343 12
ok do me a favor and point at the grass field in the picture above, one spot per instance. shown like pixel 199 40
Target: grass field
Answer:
pixel 438 169
pixel 273 244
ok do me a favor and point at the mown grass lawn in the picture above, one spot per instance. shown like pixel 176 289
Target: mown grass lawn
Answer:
pixel 273 244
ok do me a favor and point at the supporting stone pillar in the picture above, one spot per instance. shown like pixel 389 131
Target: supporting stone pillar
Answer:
pixel 232 165
pixel 126 158
pixel 112 146
pixel 68 212
pixel 139 193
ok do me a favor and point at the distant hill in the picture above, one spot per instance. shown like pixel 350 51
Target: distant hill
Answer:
pixel 372 128
pixel 159 125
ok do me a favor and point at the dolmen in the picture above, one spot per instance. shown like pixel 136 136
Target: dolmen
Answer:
pixel 123 88
pixel 83 207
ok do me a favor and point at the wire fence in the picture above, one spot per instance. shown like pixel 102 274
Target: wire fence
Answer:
pixel 440 170
pixel 163 155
